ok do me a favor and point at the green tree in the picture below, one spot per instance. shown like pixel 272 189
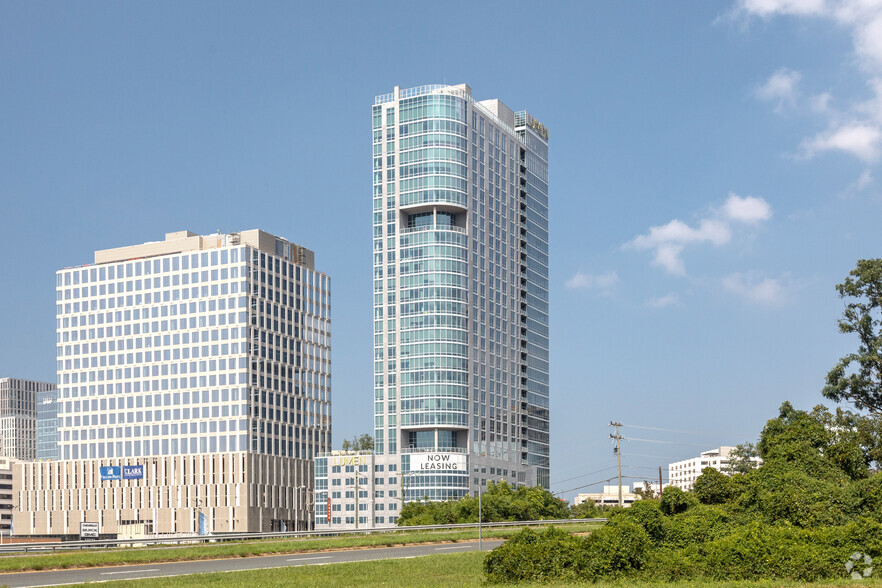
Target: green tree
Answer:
pixel 713 487
pixel 499 502
pixel 742 459
pixel 675 501
pixel 363 442
pixel 863 316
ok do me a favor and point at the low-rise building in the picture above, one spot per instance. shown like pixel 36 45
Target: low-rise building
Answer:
pixel 162 495
pixel 609 496
pixel 6 500
pixel 360 490
pixel 683 474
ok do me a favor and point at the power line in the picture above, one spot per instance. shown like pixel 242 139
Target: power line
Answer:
pixel 597 472
pixel 629 454
pixel 582 476
pixel 600 482
pixel 670 430
pixel 664 442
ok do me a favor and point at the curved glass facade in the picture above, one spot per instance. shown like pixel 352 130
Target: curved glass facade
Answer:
pixel 460 287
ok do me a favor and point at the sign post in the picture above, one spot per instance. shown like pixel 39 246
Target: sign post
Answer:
pixel 89 531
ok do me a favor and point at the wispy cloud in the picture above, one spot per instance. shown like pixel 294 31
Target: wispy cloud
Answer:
pixel 766 291
pixel 857 129
pixel 781 88
pixel 864 181
pixel 859 139
pixel 602 284
pixel 668 241
pixel 768 8
pixel 669 299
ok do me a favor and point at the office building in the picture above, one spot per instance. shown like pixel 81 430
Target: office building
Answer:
pixel 47 425
pixel 355 490
pixel 460 251
pixel 6 500
pixel 683 474
pixel 194 385
pixel 18 417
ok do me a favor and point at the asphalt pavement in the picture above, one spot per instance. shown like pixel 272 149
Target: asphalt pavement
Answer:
pixel 160 570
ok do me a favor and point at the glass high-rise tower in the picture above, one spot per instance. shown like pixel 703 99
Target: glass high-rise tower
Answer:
pixel 460 245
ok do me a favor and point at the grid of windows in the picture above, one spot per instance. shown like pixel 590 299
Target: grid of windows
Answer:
pixel 18 417
pixel 218 350
pixel 460 249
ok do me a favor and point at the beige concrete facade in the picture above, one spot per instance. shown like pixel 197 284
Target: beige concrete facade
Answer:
pixel 181 241
pixel 238 492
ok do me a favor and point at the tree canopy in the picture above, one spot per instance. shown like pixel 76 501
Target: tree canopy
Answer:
pixel 499 502
pixel 801 515
pixel 363 442
pixel 857 378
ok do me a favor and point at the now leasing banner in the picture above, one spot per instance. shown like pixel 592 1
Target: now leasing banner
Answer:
pixel 438 462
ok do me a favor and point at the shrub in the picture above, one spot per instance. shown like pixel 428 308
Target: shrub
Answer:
pixel 553 555
pixel 713 487
pixel 674 500
pixel 647 514
pixel 757 551
pixel 698 525
pixel 617 548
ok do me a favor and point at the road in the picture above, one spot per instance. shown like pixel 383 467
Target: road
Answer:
pixel 159 570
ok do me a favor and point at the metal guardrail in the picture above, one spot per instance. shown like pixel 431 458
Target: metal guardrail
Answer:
pixel 179 540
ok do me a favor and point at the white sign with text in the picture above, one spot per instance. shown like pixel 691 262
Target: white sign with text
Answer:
pixel 438 462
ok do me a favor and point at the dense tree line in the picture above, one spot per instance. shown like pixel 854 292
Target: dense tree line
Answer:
pixel 813 503
pixel 499 502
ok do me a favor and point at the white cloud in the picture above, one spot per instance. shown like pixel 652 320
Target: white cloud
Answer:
pixel 603 284
pixel 768 291
pixel 663 301
pixel 858 131
pixel 781 87
pixel 859 139
pixel 768 8
pixel 748 209
pixel 669 240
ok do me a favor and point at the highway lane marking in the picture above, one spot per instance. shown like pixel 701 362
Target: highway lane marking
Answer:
pixel 455 547
pixel 128 572
pixel 309 558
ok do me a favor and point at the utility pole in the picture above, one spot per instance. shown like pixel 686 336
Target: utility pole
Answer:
pixel 618 439
pixel 659 482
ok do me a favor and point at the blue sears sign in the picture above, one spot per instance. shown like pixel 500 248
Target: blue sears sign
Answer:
pixel 135 472
pixel 109 472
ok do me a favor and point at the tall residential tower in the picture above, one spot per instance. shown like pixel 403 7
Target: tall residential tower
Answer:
pixel 460 245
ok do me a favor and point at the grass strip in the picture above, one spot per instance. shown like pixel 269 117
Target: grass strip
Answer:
pixel 251 548
pixel 431 571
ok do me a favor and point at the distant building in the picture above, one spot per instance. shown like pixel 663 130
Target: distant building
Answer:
pixel 47 425
pixel 355 491
pixel 18 417
pixel 609 496
pixel 683 474
pixel 194 390
pixel 6 500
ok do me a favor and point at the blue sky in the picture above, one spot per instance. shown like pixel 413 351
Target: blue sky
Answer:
pixel 714 172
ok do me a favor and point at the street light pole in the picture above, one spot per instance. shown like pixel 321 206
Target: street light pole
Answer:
pixel 480 517
pixel 297 504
